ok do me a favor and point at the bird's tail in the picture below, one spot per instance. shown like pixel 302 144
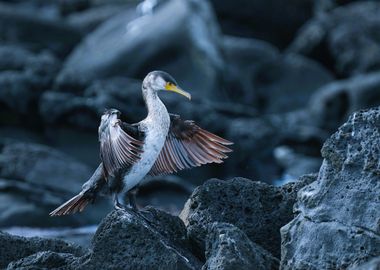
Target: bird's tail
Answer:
pixel 74 205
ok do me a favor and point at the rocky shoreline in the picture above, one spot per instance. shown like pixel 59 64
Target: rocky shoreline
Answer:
pixel 295 85
pixel 324 221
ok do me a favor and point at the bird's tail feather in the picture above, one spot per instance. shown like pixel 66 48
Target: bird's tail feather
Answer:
pixel 72 206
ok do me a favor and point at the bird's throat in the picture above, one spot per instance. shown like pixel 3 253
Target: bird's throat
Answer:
pixel 156 108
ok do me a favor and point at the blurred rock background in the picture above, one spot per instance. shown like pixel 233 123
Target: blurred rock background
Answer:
pixel 275 77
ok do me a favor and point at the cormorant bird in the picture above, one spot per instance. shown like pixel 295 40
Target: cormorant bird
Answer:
pixel 162 143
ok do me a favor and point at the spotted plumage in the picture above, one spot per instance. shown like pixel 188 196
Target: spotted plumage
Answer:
pixel 162 143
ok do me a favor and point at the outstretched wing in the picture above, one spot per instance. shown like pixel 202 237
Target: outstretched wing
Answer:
pixel 186 146
pixel 120 145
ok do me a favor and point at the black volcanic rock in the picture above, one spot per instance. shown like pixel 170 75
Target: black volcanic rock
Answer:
pixel 126 241
pixel 228 248
pixel 258 209
pixel 132 45
pixel 337 222
pixel 345 39
pixel 151 239
pixel 13 248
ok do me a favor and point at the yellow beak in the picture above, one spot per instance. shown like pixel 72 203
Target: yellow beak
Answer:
pixel 173 88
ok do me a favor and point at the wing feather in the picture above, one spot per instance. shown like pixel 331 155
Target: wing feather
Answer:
pixel 118 148
pixel 187 145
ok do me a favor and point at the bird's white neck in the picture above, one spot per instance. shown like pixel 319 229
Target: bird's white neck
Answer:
pixel 156 108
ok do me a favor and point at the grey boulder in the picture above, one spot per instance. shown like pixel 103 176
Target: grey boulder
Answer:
pixel 337 222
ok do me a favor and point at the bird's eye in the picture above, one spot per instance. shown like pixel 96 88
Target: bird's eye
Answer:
pixel 169 86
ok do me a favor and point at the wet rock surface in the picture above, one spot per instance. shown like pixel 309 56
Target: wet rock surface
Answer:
pixel 337 223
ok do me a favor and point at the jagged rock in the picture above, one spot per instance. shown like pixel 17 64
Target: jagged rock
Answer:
pixel 229 248
pixel 288 86
pixel 187 47
pixel 256 140
pixel 258 209
pixel 31 178
pixel 151 239
pixel 126 241
pixel 255 18
pixel 21 25
pixel 345 39
pixel 333 103
pixel 13 248
pixel 337 222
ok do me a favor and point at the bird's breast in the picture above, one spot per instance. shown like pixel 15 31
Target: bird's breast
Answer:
pixel 156 131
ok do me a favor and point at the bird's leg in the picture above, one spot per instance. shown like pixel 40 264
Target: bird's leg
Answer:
pixel 116 203
pixel 132 199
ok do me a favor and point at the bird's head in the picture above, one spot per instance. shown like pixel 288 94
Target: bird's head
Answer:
pixel 162 81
